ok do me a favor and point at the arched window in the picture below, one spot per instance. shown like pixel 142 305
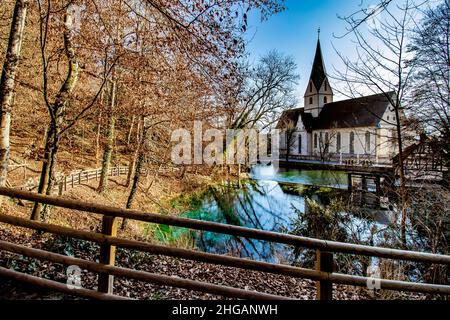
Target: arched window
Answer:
pixel 326 85
pixel 310 100
pixel 338 142
pixel 315 140
pixel 320 141
pixel 300 143
pixel 352 143
pixel 325 99
pixel 367 142
pixel 310 87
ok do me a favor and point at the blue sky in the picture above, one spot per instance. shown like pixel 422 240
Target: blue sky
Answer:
pixel 294 32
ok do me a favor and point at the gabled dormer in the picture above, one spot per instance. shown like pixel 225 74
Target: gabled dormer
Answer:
pixel 319 91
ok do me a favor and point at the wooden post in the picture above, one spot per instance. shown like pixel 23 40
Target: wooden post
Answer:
pixel 378 186
pixel 65 183
pixel 79 177
pixel 324 263
pixel 72 181
pixel 350 183
pixel 107 255
pixel 61 188
pixel 364 189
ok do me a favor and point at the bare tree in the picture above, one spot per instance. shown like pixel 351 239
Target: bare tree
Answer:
pixel 268 89
pixel 57 109
pixel 380 68
pixel 7 83
pixel 290 135
pixel 430 85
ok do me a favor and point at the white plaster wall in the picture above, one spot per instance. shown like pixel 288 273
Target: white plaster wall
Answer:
pixel 359 141
pixel 317 96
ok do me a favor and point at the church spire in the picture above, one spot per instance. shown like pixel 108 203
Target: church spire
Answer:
pixel 318 92
pixel 318 74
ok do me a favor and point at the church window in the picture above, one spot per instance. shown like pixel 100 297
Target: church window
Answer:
pixel 300 144
pixel 325 100
pixel 310 100
pixel 326 86
pixel 310 87
pixel 367 142
pixel 352 143
pixel 315 140
pixel 338 142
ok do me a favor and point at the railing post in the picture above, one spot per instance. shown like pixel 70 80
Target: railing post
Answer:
pixel 324 263
pixel 107 255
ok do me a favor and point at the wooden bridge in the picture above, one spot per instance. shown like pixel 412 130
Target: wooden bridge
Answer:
pixel 323 274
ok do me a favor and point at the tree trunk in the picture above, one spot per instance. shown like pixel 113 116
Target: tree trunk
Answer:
pixel 107 154
pixel 56 111
pixel 97 138
pixel 140 160
pixel 133 161
pixel 48 164
pixel 130 131
pixel 402 176
pixel 7 83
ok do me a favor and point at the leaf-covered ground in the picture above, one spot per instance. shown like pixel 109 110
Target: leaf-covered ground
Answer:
pixel 273 284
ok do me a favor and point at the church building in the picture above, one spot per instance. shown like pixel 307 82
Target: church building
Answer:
pixel 325 129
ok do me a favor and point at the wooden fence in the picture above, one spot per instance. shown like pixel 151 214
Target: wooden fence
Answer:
pixel 76 179
pixel 68 181
pixel 323 274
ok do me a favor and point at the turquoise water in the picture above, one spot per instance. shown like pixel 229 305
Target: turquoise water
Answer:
pixel 269 200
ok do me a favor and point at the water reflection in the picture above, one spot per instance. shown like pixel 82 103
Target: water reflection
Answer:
pixel 268 201
pixel 334 179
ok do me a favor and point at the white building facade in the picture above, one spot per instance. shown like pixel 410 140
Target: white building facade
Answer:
pixel 362 127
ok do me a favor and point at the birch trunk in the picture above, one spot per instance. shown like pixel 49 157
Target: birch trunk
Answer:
pixel 107 154
pixel 7 83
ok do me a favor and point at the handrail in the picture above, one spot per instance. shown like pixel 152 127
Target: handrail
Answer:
pixel 140 275
pixel 324 245
pixel 214 258
pixel 53 285
pixel 108 240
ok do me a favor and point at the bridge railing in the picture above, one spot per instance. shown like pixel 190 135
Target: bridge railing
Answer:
pixel 342 159
pixel 324 274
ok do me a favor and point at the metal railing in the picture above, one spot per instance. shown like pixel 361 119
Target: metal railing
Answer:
pixel 108 241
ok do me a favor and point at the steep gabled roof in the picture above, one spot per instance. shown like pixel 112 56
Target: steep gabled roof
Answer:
pixel 318 73
pixel 289 118
pixel 360 112
pixel 353 113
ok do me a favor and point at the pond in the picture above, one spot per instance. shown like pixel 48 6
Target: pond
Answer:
pixel 270 200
